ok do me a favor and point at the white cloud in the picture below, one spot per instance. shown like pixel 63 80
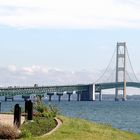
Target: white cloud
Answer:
pixel 70 13
pixel 12 68
pixel 25 76
pixel 42 75
pixel 28 76
pixel 32 70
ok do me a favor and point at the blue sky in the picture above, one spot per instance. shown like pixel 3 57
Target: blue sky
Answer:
pixel 65 42
pixel 64 48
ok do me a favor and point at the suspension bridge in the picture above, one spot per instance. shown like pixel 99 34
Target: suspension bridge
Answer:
pixel 117 78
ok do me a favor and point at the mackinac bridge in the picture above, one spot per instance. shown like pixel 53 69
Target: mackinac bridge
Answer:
pixel 117 78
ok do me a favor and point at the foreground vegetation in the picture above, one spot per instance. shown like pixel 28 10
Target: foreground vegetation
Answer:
pixel 43 122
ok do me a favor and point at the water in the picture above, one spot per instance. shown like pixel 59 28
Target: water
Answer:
pixel 122 115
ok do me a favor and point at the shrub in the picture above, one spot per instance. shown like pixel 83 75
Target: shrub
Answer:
pixel 43 120
pixel 40 107
pixel 54 110
pixel 38 127
pixel 43 111
pixel 8 132
pixel 26 133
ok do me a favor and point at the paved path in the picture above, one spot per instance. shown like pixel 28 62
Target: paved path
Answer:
pixel 8 119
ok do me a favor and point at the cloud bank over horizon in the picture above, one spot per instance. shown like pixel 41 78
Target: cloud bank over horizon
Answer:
pixel 85 14
pixel 42 75
pixel 28 76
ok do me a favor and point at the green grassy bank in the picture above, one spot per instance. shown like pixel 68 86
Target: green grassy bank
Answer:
pixel 78 129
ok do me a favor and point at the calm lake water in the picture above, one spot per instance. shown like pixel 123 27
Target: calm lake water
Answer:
pixel 122 115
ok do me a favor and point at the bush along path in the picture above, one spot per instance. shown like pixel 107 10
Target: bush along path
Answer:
pixel 43 121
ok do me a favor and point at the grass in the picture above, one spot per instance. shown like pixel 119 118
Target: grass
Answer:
pixel 78 129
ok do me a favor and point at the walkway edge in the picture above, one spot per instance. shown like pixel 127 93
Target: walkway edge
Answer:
pixel 59 123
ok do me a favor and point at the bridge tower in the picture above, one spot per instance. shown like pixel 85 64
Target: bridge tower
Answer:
pixel 121 69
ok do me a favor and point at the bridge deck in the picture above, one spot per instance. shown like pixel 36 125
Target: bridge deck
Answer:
pixel 12 91
pixel 114 85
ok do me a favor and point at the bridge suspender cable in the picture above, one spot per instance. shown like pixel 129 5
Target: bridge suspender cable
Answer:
pixel 129 76
pixel 111 76
pixel 131 66
pixel 106 67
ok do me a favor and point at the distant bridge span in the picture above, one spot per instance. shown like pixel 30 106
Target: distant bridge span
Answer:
pixel 86 92
pixel 100 86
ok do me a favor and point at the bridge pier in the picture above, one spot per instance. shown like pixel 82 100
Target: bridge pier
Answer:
pixel 88 95
pixel 116 99
pixel 85 95
pixel 124 98
pixel 92 92
pixel 78 95
pixel 50 96
pixel 124 93
pixel 94 98
pixel 100 95
pixel 59 96
pixel 69 95
pixel 9 97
